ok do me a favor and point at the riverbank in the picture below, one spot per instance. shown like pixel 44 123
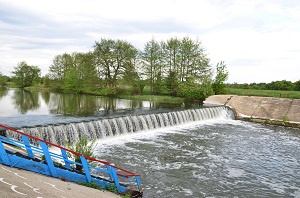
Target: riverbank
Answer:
pixel 269 110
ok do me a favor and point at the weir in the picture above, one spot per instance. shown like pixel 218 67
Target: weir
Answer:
pixel 99 129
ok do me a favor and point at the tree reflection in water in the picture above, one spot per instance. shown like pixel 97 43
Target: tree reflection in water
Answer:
pixel 3 92
pixel 72 104
pixel 25 101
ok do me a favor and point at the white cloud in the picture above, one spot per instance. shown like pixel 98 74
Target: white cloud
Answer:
pixel 258 40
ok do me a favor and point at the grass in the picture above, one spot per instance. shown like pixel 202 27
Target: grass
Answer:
pixel 154 98
pixel 111 188
pixel 265 93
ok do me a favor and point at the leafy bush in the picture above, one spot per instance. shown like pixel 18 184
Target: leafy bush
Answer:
pixel 83 147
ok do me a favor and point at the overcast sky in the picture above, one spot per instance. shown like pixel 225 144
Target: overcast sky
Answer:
pixel 259 40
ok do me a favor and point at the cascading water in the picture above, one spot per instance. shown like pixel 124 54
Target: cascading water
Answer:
pixel 99 129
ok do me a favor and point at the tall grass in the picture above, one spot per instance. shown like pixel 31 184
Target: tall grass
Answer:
pixel 265 93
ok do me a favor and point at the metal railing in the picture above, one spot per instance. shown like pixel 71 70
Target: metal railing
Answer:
pixel 114 173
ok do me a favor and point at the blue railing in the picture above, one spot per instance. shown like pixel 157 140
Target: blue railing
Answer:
pixel 60 165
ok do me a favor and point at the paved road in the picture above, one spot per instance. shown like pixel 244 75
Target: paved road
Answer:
pixel 15 183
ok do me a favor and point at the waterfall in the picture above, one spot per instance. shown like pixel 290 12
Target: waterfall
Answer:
pixel 98 129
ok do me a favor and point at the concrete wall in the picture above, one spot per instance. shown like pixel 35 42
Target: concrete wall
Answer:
pixel 261 107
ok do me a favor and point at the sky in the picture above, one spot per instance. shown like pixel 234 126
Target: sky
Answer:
pixel 259 40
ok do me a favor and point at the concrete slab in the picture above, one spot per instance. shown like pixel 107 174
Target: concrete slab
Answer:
pixel 245 105
pixel 293 113
pixel 273 108
pixel 218 99
pixel 260 107
pixel 20 183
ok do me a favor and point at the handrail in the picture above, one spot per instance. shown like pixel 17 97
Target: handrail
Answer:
pixel 66 149
pixel 126 175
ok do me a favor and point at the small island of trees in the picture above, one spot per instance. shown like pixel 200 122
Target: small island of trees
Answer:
pixel 176 67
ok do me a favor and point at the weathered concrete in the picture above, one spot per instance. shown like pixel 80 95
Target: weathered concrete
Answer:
pixel 260 107
pixel 20 183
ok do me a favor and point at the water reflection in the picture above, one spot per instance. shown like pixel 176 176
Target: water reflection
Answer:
pixel 46 96
pixel 77 105
pixel 72 104
pixel 3 92
pixel 25 101
pixel 29 108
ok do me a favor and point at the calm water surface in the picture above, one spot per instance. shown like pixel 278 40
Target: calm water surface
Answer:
pixel 30 108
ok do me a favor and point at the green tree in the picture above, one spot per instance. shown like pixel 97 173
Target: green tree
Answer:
pixel 151 62
pixel 193 90
pixel 113 58
pixel 3 80
pixel 74 72
pixel 219 85
pixel 281 85
pixel 297 85
pixel 58 70
pixel 46 81
pixel 26 75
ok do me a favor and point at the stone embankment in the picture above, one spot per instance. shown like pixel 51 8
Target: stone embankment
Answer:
pixel 282 111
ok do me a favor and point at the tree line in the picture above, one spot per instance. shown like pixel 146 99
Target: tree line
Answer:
pixel 175 67
pixel 283 85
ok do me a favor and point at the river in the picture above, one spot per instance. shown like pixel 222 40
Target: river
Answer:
pixel 214 156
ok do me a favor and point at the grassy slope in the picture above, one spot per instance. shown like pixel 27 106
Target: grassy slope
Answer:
pixel 266 93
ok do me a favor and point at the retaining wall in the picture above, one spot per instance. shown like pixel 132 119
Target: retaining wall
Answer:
pixel 285 109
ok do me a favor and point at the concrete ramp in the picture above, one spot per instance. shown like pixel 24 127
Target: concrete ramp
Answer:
pixel 293 113
pixel 272 108
pixel 261 107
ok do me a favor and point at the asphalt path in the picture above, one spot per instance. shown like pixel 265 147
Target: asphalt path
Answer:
pixel 15 183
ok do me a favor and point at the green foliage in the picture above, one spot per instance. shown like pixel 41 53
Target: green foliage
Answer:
pixel 274 85
pixel 112 188
pixel 26 75
pixel 219 85
pixel 91 185
pixel 280 85
pixel 114 65
pixel 164 99
pixel 195 91
pixel 285 118
pixel 172 83
pixel 46 81
pixel 297 85
pixel 113 58
pixel 152 62
pixel 83 147
pixel 265 93
pixel 3 80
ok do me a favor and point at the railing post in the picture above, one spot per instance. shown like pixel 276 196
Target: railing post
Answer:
pixel 48 159
pixel 3 155
pixel 65 156
pixel 27 146
pixel 86 169
pixel 114 177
